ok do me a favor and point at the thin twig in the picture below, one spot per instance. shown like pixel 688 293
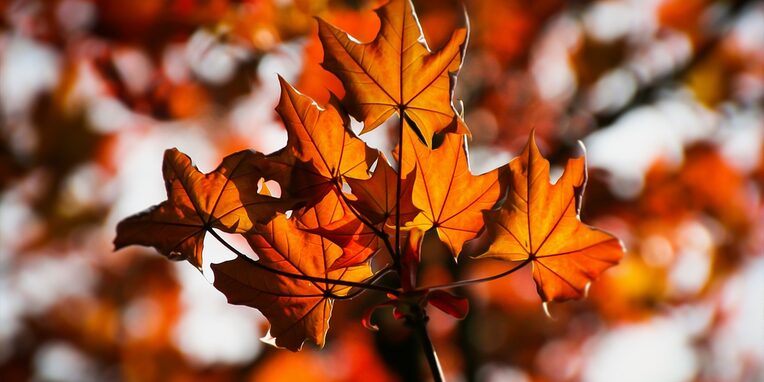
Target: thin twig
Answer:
pixel 378 232
pixel 397 257
pixel 298 276
pixel 420 327
pixel 481 279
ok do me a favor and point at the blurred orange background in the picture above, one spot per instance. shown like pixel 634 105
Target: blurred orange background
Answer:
pixel 666 95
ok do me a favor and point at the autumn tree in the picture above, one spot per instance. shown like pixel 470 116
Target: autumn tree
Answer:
pixel 330 217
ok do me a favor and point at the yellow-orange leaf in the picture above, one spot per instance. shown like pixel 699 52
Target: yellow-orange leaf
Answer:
pixel 226 199
pixel 539 222
pixel 375 200
pixel 297 310
pixel 397 72
pixel 321 149
pixel 451 199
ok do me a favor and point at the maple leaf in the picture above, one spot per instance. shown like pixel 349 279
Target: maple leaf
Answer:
pixel 539 222
pixel 376 197
pixel 296 309
pixel 450 198
pixel 226 198
pixel 359 239
pixel 321 149
pixel 397 72
pixel 375 200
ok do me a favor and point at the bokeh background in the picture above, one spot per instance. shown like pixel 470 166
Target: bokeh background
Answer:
pixel 665 94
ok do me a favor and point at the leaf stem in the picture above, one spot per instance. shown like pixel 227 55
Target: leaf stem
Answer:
pixel 376 277
pixel 419 324
pixel 257 264
pixel 481 279
pixel 378 232
pixel 397 257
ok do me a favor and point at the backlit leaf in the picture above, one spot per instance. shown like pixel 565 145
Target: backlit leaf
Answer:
pixel 539 222
pixel 321 149
pixel 451 199
pixel 397 72
pixel 297 310
pixel 226 199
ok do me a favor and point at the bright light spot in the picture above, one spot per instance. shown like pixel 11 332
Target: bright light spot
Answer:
pixel 108 115
pixel 483 159
pixel 741 140
pixel 692 268
pixel 657 251
pixel 645 135
pixel 210 59
pixel 83 188
pixel 27 68
pixel 749 31
pixel 58 361
pixel 141 318
pixel 739 341
pixel 253 118
pixel 550 65
pixel 135 68
pixel 140 156
pixel 211 330
pixel 661 56
pixel 174 64
pixel 657 351
pixel 42 280
pixel 501 373
pixel 612 90
pixel 608 21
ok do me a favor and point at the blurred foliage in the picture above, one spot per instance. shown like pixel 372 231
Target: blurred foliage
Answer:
pixel 667 95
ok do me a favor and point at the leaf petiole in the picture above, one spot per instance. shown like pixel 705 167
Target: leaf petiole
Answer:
pixel 255 263
pixel 462 283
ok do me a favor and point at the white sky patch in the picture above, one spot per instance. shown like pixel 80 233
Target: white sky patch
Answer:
pixel 211 330
pixel 658 351
pixel 610 20
pixel 692 267
pixel 484 158
pixel 550 66
pixel 661 56
pixel 140 154
pixel 135 68
pixel 613 90
pixel 43 280
pixel 748 32
pixel 741 140
pixel 27 68
pixel 211 59
pixel 254 116
pixel 740 339
pixel 59 361
pixel 645 135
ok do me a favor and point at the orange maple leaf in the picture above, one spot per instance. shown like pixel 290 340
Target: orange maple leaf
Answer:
pixel 226 198
pixel 397 72
pixel 321 149
pixel 450 198
pixel 539 223
pixel 296 309
pixel 374 199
